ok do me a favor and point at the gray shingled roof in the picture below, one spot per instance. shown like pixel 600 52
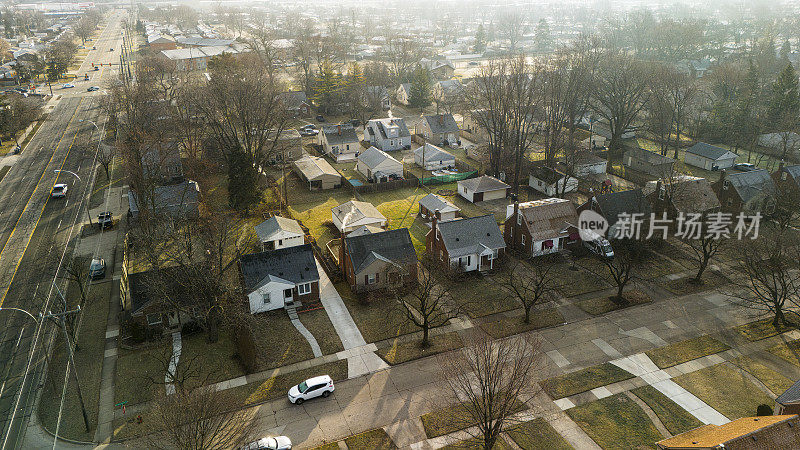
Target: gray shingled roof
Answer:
pixel 710 151
pixel 615 203
pixel 373 156
pixel 266 229
pixel 484 183
pixel 650 157
pixel 294 264
pixel 546 174
pixel 392 246
pixel 794 171
pixel 433 153
pixel 471 236
pixel 175 200
pixel 381 125
pixel 791 395
pixel 441 123
pixel 433 202
pixel 751 184
pixel 340 134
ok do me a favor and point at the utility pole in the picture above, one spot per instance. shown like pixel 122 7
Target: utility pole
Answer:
pixel 59 319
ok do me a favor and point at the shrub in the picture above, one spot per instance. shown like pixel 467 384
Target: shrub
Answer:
pixel 764 410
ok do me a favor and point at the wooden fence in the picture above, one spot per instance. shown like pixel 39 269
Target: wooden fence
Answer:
pixel 371 188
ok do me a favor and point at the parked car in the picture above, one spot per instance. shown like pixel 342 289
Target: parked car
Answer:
pixel 474 63
pixel 321 386
pixel 308 132
pixel 94 48
pixel 105 219
pixel 269 443
pixel 320 118
pixel 111 49
pixel 93 88
pixel 97 268
pixel 17 149
pixel 600 247
pixel 96 68
pixel 67 86
pixel 744 167
pixel 59 191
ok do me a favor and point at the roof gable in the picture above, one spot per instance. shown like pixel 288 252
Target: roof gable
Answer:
pixel 710 151
pixel 483 183
pixel 294 264
pixel 468 236
pixel 275 224
pixel 392 246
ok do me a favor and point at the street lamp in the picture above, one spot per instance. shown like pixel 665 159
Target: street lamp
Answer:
pixel 24 312
pixel 57 171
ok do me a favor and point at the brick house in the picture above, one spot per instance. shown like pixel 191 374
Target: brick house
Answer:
pixel 747 192
pixel 541 227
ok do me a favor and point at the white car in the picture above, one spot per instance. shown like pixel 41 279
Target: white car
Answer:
pixel 67 86
pixel 321 386
pixel 59 191
pixel 93 88
pixel 269 443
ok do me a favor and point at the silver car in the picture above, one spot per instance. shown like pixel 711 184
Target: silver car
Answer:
pixel 269 443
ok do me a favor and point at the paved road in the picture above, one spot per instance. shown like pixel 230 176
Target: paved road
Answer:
pixel 36 232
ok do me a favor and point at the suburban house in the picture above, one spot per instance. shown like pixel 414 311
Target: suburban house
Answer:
pixel 388 134
pixel 289 146
pixel 442 209
pixel 696 68
pixel 466 244
pixel 448 92
pixel 747 433
pixel 614 205
pixel 648 162
pixel 378 95
pixel 378 166
pixel 483 188
pixel 142 296
pixel 541 227
pixel 340 142
pixel 431 157
pixel 353 214
pixel 296 103
pixel 279 232
pixel 403 93
pixel 788 177
pixel 747 192
pixel 178 201
pixel 439 69
pixel 273 279
pixel 585 164
pixel 441 129
pixel 158 42
pixel 162 163
pixel 383 260
pixel 551 182
pixel 317 172
pixel 778 141
pixel 472 123
pixel 682 194
pixel 789 401
pixel 709 157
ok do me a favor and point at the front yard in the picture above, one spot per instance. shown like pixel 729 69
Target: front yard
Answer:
pixel 616 422
pixel 725 390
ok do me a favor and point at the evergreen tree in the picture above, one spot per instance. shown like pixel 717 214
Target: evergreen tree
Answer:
pixel 542 34
pixel 480 40
pixel 328 88
pixel 783 111
pixel 242 182
pixel 420 95
pixel 786 50
pixel 354 90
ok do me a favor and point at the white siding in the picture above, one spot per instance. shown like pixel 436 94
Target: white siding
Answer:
pixel 494 195
pixel 268 297
pixel 288 241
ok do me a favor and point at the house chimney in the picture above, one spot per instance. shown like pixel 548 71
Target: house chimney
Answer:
pixel 433 225
pixel 339 129
pixel 437 214
pixel 341 254
pixel 441 119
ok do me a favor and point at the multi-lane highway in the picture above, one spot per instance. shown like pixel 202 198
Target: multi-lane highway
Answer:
pixel 37 233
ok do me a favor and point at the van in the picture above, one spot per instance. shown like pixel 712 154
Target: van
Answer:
pixel 600 247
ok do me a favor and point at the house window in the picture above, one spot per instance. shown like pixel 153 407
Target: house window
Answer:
pixel 347 147
pixel 267 298
pixel 522 239
pixel 303 289
pixel 287 293
pixel 725 184
pixel 441 255
pixel 372 278
pixel 661 193
pixel 519 218
pixel 154 319
pixel 280 241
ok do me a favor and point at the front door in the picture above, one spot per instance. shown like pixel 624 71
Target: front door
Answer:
pixel 287 296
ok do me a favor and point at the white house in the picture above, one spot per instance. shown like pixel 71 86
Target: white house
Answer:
pixel 388 134
pixel 551 182
pixel 279 232
pixel 276 278
pixel 440 129
pixel 378 166
pixel 340 142
pixel 585 164
pixel 431 157
pixel 353 214
pixel 403 93
pixel 482 189
pixel 709 157
pixel 466 244
pixel 433 205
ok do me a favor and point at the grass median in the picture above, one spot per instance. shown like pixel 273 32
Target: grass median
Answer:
pixel 584 380
pixel 725 390
pixel 454 418
pixel 399 353
pixel 540 318
pixel 616 422
pixel 376 439
pixel 761 329
pixel 687 350
pixel 676 419
pixel 538 435
pixel 602 305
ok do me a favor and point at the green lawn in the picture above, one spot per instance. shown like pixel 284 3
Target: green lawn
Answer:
pixel 452 419
pixel 317 214
pixel 616 422
pixel 602 305
pixel 773 380
pixel 540 318
pixel 584 380
pixel 376 439
pixel 278 386
pixel 399 353
pixel 789 351
pixel 89 360
pixel 538 435
pixel 381 319
pixel 687 350
pixel 760 329
pixel 725 390
pixel 676 419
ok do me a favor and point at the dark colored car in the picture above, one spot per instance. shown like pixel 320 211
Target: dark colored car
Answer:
pixel 97 268
pixel 320 118
pixel 105 220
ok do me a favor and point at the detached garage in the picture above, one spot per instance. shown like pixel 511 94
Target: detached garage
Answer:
pixel 483 189
pixel 709 157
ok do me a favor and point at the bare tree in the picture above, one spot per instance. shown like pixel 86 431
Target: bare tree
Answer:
pixel 427 304
pixel 511 26
pixel 490 380
pixel 529 285
pixel 105 156
pixel 401 53
pixel 627 254
pixel 769 269
pixel 16 113
pixel 708 245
